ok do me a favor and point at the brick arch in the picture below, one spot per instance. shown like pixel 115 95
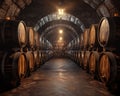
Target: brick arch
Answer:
pixel 55 16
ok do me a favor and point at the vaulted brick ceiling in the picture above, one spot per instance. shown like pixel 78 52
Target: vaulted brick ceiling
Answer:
pixel 88 11
pixel 40 8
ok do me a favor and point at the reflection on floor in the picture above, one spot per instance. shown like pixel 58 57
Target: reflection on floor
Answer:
pixel 59 77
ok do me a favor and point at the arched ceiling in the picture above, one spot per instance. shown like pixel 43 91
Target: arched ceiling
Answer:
pixel 67 35
pixel 31 11
pixel 60 26
pixel 55 16
pixel 41 8
pixel 52 33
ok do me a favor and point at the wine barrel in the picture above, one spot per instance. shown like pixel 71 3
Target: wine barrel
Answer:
pixel 31 37
pixel 37 39
pixel 43 58
pixel 108 68
pixel 75 43
pixel 78 43
pixel 93 64
pixel 40 57
pixel 12 34
pixel 85 38
pixel 81 58
pixel 86 60
pixel 30 60
pixel 37 58
pixel 81 41
pixel 93 41
pixel 76 56
pixel 109 32
pixel 13 67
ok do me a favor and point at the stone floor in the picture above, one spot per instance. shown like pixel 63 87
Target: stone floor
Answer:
pixel 59 77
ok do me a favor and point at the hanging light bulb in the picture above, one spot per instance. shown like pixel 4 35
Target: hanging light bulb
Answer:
pixel 60 31
pixel 60 38
pixel 60 11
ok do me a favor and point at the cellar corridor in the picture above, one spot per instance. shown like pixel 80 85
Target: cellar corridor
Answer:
pixel 59 77
pixel 59 47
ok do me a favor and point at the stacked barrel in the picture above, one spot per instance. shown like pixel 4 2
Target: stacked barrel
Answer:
pixel 109 61
pixel 73 50
pixel 98 51
pixel 45 50
pixel 19 52
pixel 100 54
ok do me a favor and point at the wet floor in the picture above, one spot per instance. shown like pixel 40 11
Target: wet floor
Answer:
pixel 59 77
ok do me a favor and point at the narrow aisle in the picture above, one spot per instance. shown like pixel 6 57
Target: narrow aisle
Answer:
pixel 59 77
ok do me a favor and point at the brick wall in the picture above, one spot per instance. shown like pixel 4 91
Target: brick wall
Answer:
pixel 12 8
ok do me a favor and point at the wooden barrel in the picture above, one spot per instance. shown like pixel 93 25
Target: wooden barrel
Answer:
pixel 12 34
pixel 81 58
pixel 30 60
pixel 40 57
pixel 78 43
pixel 37 58
pixel 31 37
pixel 81 41
pixel 109 32
pixel 108 68
pixel 44 56
pixel 86 60
pixel 85 38
pixel 93 64
pixel 76 56
pixel 93 40
pixel 22 65
pixel 75 43
pixel 13 67
pixel 37 39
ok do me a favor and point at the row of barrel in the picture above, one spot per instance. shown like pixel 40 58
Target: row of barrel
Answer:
pixel 99 51
pixel 15 34
pixel 15 66
pixel 20 52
